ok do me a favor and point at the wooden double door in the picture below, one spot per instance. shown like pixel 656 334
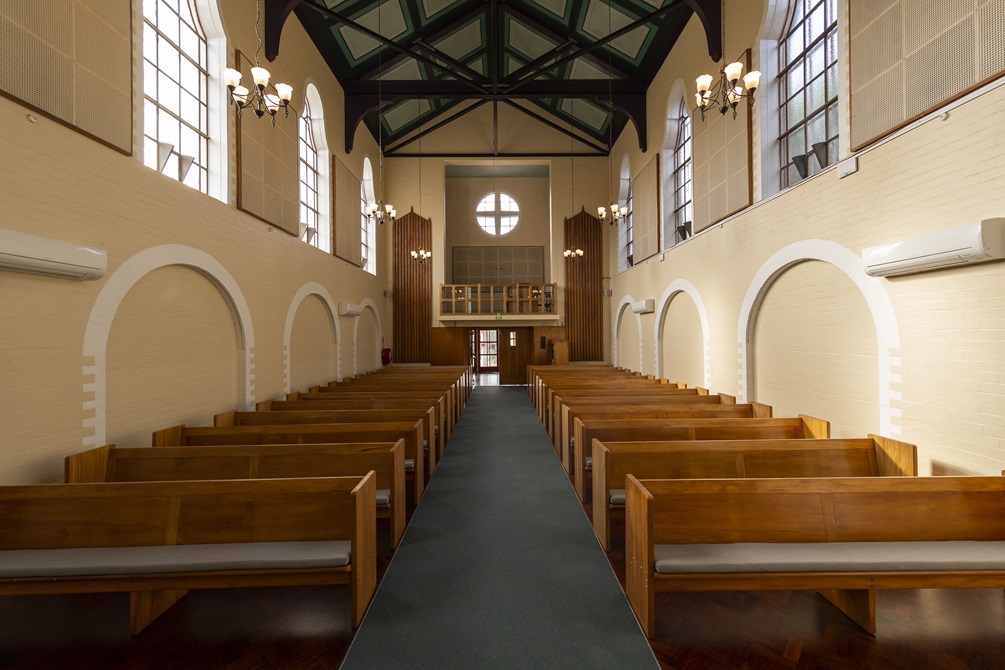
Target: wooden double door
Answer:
pixel 507 351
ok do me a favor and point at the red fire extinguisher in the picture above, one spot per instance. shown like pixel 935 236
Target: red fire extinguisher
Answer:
pixel 385 354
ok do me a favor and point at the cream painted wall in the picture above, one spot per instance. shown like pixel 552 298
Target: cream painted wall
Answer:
pixel 312 346
pixel 938 336
pixel 367 342
pixel 815 350
pixel 173 356
pixel 55 182
pixel 683 350
pixel 628 341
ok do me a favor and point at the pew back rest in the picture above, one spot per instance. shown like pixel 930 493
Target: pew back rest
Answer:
pixel 892 509
pixel 108 463
pixel 57 516
pixel 861 457
pixel 292 434
pixel 632 430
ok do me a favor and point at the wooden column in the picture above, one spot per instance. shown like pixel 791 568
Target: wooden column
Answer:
pixel 413 290
pixel 584 288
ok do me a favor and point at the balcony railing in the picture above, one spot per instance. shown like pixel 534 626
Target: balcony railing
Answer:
pixel 505 299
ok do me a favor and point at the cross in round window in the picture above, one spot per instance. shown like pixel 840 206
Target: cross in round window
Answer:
pixel 497 213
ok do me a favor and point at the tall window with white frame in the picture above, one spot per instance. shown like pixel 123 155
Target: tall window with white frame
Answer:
pixel 309 207
pixel 683 208
pixel 629 229
pixel 175 92
pixel 367 227
pixel 808 90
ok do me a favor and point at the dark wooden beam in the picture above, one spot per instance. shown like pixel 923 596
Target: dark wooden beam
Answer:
pixel 709 12
pixel 453 117
pixel 400 89
pixel 276 12
pixel 554 126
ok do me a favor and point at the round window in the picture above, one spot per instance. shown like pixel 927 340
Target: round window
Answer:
pixel 497 213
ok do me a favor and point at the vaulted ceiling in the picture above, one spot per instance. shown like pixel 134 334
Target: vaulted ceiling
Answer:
pixel 580 68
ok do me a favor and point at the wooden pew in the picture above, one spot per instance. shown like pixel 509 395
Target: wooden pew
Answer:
pixel 385 459
pixel 362 403
pixel 874 456
pixel 333 395
pixel 194 436
pixel 148 538
pixel 453 391
pixel 585 431
pixel 659 410
pixel 626 396
pixel 777 526
pixel 319 416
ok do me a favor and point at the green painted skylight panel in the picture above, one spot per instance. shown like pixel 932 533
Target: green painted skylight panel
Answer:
pixel 526 41
pixel 584 70
pixel 556 7
pixel 586 112
pixel 404 113
pixel 459 44
pixel 599 15
pixel 391 21
pixel 409 71
pixel 478 66
pixel 432 7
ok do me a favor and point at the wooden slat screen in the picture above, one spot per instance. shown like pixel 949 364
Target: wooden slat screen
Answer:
pixel 413 286
pixel 347 213
pixel 584 288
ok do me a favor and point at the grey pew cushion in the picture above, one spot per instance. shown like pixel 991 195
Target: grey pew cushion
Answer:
pixel 409 463
pixel 829 557
pixel 383 496
pixel 86 561
pixel 617 496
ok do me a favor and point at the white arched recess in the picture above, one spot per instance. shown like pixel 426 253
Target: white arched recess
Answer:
pixel 887 330
pixel 675 287
pixel 625 303
pixel 366 303
pixel 312 288
pixel 99 323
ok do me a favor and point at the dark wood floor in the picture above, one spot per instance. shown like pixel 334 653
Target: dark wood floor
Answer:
pixel 309 628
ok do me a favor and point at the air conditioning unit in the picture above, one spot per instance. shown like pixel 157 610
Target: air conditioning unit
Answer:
pixel 24 252
pixel 349 309
pixel 972 243
pixel 646 306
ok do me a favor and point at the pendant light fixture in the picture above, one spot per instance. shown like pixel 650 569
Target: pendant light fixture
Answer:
pixel 726 94
pixel 617 212
pixel 572 253
pixel 378 210
pixel 257 99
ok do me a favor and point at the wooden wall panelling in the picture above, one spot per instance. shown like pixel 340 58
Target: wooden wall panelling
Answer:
pixel 450 346
pixel 413 297
pixel 584 288
pixel 541 355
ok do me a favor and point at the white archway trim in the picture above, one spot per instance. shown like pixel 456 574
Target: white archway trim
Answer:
pixel 675 287
pixel 365 303
pixel 624 304
pixel 678 94
pixel 878 300
pixel 99 324
pixel 312 288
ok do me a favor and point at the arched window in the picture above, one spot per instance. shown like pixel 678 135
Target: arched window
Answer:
pixel 497 213
pixel 683 208
pixel 367 229
pixel 808 90
pixel 309 179
pixel 176 92
pixel 314 171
